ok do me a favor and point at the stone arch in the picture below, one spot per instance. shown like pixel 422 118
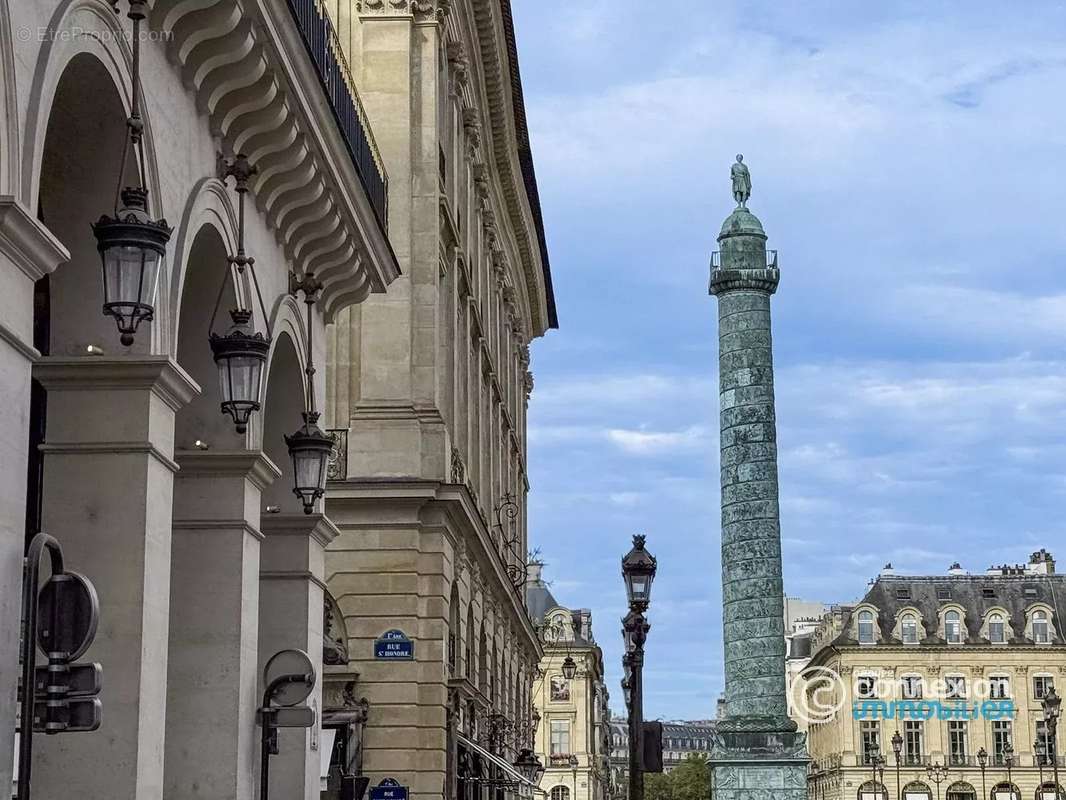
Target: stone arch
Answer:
pixel 202 277
pixel 9 131
pixel 209 204
pixel 283 403
pixel 961 790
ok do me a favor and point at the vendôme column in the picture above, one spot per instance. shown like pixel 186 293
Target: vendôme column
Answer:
pixel 758 753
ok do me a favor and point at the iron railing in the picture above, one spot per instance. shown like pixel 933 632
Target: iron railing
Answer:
pixel 324 47
pixel 337 464
pixel 771 259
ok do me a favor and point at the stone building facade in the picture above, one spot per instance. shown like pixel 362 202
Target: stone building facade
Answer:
pixel 429 385
pixel 946 640
pixel 573 716
pixel 204 563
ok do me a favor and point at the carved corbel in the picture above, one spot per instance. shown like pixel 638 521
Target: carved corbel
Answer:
pixel 472 126
pixel 459 65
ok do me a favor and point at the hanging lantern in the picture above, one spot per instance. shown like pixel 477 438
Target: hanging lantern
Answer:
pixel 310 449
pixel 240 355
pixel 569 668
pixel 529 766
pixel 132 247
pixel 638 569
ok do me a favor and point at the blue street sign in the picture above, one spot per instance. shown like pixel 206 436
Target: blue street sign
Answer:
pixel 394 645
pixel 388 789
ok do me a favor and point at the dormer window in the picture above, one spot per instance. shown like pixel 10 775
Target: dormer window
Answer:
pixel 866 627
pixel 903 594
pixel 953 627
pixel 996 632
pixel 943 593
pixel 1041 628
pixel 988 593
pixel 909 629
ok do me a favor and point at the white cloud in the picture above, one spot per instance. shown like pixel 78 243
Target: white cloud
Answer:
pixel 648 443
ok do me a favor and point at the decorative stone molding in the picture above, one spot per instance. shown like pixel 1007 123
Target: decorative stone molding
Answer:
pixel 308 187
pixel 527 384
pixel 458 467
pixel 459 65
pixel 472 126
pixel 422 10
pixel 523 356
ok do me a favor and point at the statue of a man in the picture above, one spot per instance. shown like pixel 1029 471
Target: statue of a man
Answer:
pixel 741 182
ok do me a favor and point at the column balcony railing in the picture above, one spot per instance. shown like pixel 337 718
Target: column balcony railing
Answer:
pixel 716 260
pixel 324 48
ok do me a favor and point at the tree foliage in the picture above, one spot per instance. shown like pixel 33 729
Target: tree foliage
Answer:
pixel 689 780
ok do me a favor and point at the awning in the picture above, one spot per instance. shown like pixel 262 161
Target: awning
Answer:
pixel 509 769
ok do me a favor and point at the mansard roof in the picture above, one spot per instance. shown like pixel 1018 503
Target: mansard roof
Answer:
pixel 976 595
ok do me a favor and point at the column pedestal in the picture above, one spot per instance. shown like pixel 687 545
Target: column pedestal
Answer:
pixel 28 251
pixel 752 765
pixel 108 499
pixel 291 604
pixel 213 672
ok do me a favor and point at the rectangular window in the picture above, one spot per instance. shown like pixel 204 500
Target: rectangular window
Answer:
pixel 912 687
pixel 999 687
pixel 871 741
pixel 1043 743
pixel 954 687
pixel 957 743
pixel 560 737
pixel 866 687
pixel 913 742
pixel 996 632
pixel 1000 741
pixel 1041 685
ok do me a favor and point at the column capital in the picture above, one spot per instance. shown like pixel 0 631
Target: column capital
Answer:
pixel 160 374
pixel 28 243
pixel 253 464
pixel 316 527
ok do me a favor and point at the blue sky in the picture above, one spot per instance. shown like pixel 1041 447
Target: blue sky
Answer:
pixel 908 164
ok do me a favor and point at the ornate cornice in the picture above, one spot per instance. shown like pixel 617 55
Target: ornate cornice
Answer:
pixel 422 10
pixel 248 66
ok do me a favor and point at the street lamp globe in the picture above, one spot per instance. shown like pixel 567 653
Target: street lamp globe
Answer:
pixel 1052 708
pixel 897 744
pixel 982 758
pixel 310 450
pixel 132 246
pixel 638 569
pixel 529 766
pixel 240 356
pixel 569 668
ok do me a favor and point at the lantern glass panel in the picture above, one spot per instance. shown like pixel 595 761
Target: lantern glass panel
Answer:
pixel 131 276
pixel 241 379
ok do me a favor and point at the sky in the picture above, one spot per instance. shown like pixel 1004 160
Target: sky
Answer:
pixel 907 162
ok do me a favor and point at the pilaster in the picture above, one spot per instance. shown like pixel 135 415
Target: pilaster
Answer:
pixel 291 610
pixel 213 672
pixel 28 251
pixel 109 477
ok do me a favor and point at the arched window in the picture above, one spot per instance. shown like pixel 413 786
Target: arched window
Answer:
pixel 873 791
pixel 916 790
pixel 961 791
pixel 996 632
pixel 909 629
pixel 561 793
pixel 866 627
pixel 1041 628
pixel 1005 791
pixel 953 627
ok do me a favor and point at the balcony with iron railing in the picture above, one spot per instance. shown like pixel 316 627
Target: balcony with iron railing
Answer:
pixel 716 260
pixel 324 48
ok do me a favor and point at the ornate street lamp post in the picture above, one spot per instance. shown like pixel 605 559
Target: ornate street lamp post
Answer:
pixel 897 751
pixel 873 753
pixel 309 447
pixel 938 773
pixel 529 766
pixel 1039 754
pixel 241 354
pixel 1052 709
pixel 132 245
pixel 638 569
pixel 982 762
pixel 1008 762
